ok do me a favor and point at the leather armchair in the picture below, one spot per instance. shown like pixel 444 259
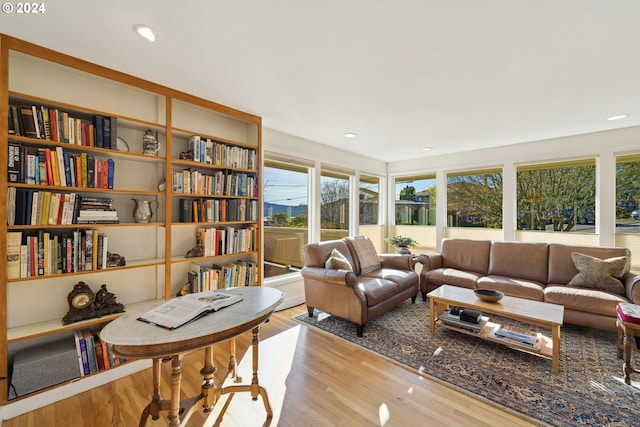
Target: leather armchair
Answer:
pixel 376 283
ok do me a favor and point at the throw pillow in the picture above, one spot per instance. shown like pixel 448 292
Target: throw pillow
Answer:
pixel 601 274
pixel 366 253
pixel 338 261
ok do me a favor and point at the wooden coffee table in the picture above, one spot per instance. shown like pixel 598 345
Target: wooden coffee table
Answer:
pixel 529 312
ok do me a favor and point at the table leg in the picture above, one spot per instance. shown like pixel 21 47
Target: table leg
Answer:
pixel 153 408
pixel 208 380
pixel 619 344
pixel 176 376
pixel 432 315
pixel 629 342
pixel 233 364
pixel 555 339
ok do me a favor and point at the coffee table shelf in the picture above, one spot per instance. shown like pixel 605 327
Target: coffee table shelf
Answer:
pixel 546 343
pixel 526 311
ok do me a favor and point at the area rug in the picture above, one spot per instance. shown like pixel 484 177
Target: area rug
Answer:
pixel 589 389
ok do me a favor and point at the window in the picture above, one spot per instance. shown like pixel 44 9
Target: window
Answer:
pixel 416 200
pixel 369 200
pixel 474 199
pixel 285 217
pixel 628 194
pixel 557 197
pixel 334 205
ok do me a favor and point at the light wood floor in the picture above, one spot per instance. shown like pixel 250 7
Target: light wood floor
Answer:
pixel 312 379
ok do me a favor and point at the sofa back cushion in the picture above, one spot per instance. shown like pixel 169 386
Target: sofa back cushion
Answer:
pixel 465 254
pixel 364 254
pixel 520 260
pixel 317 254
pixel 561 266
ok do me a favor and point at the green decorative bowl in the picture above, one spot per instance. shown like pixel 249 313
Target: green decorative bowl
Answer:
pixel 488 295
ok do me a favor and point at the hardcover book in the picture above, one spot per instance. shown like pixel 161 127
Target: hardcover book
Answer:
pixel 182 310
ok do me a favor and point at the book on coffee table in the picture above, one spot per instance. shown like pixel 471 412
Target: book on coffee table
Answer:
pixel 182 310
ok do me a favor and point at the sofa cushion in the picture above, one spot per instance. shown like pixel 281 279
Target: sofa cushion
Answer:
pixel 365 254
pixel 522 260
pixel 451 276
pixel 599 274
pixel 582 299
pixel 338 261
pixel 377 290
pixel 561 266
pixel 520 288
pixel 466 255
pixel 404 278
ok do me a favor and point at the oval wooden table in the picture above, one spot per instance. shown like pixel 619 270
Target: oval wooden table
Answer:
pixel 131 338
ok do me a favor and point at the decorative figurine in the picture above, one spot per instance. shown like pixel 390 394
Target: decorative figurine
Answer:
pixel 84 304
pixel 150 144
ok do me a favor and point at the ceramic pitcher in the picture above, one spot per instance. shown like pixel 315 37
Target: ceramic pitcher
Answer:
pixel 142 212
pixel 150 144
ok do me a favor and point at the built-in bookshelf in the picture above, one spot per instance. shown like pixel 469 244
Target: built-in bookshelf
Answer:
pixel 74 171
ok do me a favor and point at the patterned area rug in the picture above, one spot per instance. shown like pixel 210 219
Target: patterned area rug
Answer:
pixel 589 389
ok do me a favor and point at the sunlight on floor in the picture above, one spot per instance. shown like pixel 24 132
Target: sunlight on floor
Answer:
pixel 241 409
pixel 383 413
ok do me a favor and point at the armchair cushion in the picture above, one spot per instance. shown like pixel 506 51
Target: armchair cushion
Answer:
pixel 338 261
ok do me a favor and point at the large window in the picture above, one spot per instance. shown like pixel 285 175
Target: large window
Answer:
pixel 415 200
pixel 474 199
pixel 557 197
pixel 628 195
pixel 334 205
pixel 369 200
pixel 285 217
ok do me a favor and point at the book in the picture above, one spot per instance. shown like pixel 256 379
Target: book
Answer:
pixel 182 310
pixel 14 241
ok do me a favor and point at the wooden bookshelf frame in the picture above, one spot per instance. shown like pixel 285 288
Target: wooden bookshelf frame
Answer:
pixel 171 96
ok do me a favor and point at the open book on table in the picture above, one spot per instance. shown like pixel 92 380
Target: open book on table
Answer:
pixel 182 310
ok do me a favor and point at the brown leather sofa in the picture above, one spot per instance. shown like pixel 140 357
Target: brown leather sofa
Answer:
pixel 537 271
pixel 376 284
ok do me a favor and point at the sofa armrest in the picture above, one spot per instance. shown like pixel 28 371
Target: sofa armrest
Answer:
pixel 329 275
pixel 430 261
pixel 396 261
pixel 631 282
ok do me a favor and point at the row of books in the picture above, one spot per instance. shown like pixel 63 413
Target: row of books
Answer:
pixel 191 181
pixel 49 253
pixel 94 354
pixel 35 207
pixel 225 240
pixel 217 210
pixel 56 167
pixel 203 278
pixel 52 124
pixel 205 150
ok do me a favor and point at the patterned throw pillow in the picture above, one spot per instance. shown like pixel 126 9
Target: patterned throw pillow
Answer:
pixel 600 274
pixel 366 253
pixel 338 261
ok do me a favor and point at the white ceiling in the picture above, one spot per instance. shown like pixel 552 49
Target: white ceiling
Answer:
pixel 405 74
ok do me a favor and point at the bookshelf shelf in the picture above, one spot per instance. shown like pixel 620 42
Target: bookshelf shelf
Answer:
pixel 41 92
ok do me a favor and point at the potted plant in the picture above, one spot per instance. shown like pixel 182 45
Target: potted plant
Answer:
pixel 402 243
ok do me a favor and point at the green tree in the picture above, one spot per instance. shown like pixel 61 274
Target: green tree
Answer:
pixel 299 221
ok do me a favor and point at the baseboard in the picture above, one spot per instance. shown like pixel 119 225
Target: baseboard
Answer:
pixel 28 404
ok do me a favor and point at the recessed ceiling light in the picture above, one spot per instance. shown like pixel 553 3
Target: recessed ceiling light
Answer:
pixel 350 135
pixel 618 117
pixel 146 32
pixel 427 148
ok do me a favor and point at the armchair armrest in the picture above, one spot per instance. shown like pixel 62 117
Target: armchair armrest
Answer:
pixel 430 261
pixel 329 275
pixel 396 261
pixel 631 282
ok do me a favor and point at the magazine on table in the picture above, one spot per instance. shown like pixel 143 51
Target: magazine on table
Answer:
pixel 181 310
